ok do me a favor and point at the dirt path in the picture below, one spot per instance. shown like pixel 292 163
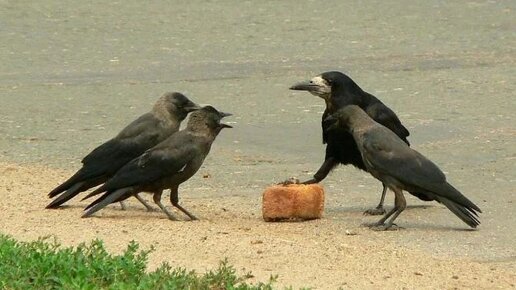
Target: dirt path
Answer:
pixel 325 254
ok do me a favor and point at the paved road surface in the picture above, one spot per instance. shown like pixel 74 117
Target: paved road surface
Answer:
pixel 73 75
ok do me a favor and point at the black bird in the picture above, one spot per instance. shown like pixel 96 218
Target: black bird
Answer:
pixel 338 90
pixel 166 165
pixel 143 133
pixel 390 160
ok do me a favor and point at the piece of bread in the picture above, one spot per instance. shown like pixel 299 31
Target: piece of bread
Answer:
pixel 293 202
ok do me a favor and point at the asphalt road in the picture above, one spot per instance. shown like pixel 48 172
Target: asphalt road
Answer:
pixel 73 74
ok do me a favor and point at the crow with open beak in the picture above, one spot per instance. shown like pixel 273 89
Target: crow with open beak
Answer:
pixel 143 133
pixel 166 165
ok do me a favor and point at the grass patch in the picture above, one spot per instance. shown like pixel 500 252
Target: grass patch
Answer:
pixel 44 264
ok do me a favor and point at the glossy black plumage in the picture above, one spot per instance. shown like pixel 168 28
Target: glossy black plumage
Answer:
pixel 338 90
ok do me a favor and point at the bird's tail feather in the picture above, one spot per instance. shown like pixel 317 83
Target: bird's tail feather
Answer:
pixel 76 189
pixel 455 201
pixel 466 214
pixel 95 192
pixel 84 174
pixel 77 177
pixel 107 198
pixel 67 195
pixel 454 195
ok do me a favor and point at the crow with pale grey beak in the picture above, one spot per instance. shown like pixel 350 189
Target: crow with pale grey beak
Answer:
pixel 166 165
pixel 338 90
pixel 143 133
pixel 390 160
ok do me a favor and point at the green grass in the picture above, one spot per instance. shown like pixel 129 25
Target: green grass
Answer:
pixel 44 264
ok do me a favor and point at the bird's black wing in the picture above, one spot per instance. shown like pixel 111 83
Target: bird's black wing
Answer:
pixel 385 116
pixel 386 153
pixel 132 141
pixel 106 159
pixel 389 155
pixel 166 159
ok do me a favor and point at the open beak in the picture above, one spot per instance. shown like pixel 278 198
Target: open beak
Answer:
pixel 223 116
pixel 305 86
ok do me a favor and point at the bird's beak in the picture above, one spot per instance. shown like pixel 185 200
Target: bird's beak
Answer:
pixel 192 107
pixel 332 122
pixel 223 116
pixel 305 86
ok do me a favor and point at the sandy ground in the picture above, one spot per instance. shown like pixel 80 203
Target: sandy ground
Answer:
pixel 324 254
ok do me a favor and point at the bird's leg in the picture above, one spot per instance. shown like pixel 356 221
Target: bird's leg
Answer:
pixel 157 200
pixel 381 222
pixel 399 205
pixel 174 199
pixel 123 206
pixel 328 164
pixel 378 210
pixel 142 201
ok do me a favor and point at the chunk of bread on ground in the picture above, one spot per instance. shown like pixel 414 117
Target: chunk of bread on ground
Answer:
pixel 293 202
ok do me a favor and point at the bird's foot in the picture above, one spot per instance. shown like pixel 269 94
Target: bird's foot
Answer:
pixel 151 209
pixel 311 181
pixel 165 211
pixel 379 210
pixel 193 218
pixel 290 180
pixel 384 227
pixel 171 216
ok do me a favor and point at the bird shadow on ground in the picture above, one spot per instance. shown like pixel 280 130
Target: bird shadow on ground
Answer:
pixel 428 227
pixel 114 207
pixel 67 207
pixel 139 216
pixel 361 209
pixel 419 227
pixel 438 228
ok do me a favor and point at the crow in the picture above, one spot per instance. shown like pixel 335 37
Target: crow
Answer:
pixel 339 90
pixel 166 165
pixel 143 133
pixel 389 159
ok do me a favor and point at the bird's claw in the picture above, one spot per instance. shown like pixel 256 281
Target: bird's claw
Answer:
pixel 375 211
pixel 385 227
pixel 193 218
pixel 172 218
pixel 311 181
pixel 290 180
